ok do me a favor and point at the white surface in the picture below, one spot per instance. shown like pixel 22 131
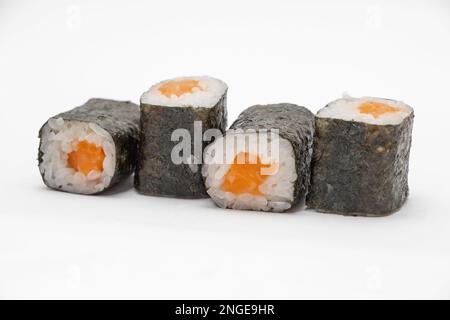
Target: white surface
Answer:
pixel 56 55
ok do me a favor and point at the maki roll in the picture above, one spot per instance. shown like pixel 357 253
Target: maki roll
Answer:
pixel 173 110
pixel 90 148
pixel 361 154
pixel 262 163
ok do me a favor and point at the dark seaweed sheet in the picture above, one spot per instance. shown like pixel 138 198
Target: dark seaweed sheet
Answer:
pixel 155 173
pixel 359 168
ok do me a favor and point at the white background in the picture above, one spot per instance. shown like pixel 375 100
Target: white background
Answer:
pixel 55 55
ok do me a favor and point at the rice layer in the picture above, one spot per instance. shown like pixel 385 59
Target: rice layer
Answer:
pixel 205 92
pixel 348 108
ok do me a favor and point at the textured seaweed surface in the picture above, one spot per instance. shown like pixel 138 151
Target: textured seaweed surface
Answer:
pixel 156 174
pixel 295 124
pixel 121 120
pixel 359 168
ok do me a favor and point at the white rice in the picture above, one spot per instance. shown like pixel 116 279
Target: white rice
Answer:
pixel 277 190
pixel 58 140
pixel 347 109
pixel 210 93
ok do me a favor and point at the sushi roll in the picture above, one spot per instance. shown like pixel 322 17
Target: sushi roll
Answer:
pixel 90 148
pixel 187 105
pixel 262 163
pixel 361 154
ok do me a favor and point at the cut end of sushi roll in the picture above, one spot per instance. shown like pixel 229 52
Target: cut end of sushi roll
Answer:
pixel 377 111
pixel 239 174
pixel 202 92
pixel 76 156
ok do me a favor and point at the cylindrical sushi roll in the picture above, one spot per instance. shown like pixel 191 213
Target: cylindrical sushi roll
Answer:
pixel 361 156
pixel 181 108
pixel 262 163
pixel 90 148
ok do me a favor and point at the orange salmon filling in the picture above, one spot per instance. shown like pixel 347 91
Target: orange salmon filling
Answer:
pixel 86 157
pixel 244 177
pixel 179 87
pixel 376 109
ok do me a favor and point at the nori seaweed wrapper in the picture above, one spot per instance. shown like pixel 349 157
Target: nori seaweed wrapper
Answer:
pixel 295 124
pixel 358 168
pixel 156 174
pixel 120 119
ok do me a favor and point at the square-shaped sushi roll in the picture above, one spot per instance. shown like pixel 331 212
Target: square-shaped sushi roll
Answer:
pixel 361 156
pixel 186 105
